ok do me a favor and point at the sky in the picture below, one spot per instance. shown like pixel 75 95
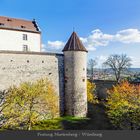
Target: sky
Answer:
pixel 104 26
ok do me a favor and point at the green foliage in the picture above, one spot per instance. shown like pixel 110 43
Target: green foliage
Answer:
pixel 124 106
pixel 54 124
pixel 29 103
pixel 91 97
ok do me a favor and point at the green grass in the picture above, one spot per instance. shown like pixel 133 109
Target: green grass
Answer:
pixel 73 119
pixel 57 124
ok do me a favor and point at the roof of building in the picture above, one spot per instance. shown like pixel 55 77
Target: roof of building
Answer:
pixel 18 24
pixel 74 44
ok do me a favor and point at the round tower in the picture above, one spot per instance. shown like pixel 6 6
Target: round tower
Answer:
pixel 75 67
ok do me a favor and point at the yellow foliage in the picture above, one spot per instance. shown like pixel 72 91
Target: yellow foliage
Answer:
pixel 30 102
pixel 91 97
pixel 123 104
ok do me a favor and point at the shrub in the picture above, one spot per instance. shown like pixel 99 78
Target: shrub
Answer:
pixel 123 104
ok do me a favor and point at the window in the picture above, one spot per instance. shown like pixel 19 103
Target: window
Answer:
pixel 25 37
pixel 83 80
pixel 25 48
pixel 1 24
pixel 9 19
pixel 23 26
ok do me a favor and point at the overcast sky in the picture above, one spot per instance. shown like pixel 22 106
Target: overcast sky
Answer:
pixel 104 26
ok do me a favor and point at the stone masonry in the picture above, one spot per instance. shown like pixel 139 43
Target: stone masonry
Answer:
pixel 18 67
pixel 66 72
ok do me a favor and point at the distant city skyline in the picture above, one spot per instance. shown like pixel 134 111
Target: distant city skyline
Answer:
pixel 105 27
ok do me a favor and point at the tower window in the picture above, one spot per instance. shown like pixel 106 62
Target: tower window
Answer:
pixel 25 48
pixel 25 37
pixel 23 26
pixel 83 69
pixel 9 19
pixel 1 24
pixel 83 80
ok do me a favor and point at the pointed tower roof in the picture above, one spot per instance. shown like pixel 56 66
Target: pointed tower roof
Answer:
pixel 74 44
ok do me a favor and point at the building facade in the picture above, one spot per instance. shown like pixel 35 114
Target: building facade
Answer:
pixel 19 35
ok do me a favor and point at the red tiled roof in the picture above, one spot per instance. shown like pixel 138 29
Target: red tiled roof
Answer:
pixel 74 44
pixel 18 24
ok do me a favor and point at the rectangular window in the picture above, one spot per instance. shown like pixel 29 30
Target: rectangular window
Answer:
pixel 25 37
pixel 25 48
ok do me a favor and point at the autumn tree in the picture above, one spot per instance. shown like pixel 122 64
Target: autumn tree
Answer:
pixel 123 106
pixel 118 63
pixel 91 97
pixel 30 102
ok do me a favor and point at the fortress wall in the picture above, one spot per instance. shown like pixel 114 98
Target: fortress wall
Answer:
pixel 18 67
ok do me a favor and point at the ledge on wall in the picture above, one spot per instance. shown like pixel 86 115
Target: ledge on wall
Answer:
pixel 29 52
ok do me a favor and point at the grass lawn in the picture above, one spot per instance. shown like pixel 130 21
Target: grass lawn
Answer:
pixel 97 120
pixel 59 123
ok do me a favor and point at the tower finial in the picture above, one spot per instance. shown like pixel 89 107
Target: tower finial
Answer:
pixel 73 29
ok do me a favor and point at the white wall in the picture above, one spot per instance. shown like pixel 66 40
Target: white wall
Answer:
pixel 13 40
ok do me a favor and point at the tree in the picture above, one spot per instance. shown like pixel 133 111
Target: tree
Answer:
pixel 123 106
pixel 118 63
pixel 91 97
pixel 91 65
pixel 30 102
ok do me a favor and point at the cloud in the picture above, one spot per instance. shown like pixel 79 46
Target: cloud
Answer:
pixel 128 36
pixel 100 60
pixel 135 61
pixel 43 47
pixel 95 39
pixel 99 39
pixel 52 46
pixel 55 45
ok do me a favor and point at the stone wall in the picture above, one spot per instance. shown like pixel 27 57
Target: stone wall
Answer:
pixel 17 67
pixel 75 83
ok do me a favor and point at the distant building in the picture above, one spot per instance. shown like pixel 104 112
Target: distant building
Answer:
pixel 19 35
